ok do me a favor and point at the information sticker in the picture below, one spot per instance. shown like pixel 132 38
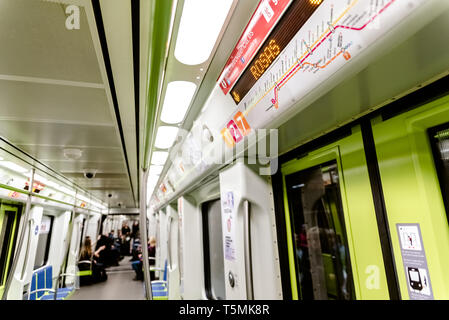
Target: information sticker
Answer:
pixel 415 262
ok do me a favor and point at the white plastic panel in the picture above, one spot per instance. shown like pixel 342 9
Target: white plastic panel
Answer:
pixel 238 184
pixel 161 245
pixel 58 241
pixel 26 268
pixel 74 249
pixel 193 276
pixel 173 262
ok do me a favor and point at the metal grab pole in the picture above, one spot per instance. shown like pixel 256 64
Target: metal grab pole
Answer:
pixel 63 268
pixel 25 263
pixel 247 246
pixel 144 233
pixel 21 238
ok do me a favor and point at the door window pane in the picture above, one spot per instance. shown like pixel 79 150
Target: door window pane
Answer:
pixel 213 250
pixel 440 145
pixel 43 244
pixel 8 237
pixel 321 250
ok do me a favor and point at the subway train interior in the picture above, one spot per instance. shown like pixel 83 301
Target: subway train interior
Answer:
pixel 224 150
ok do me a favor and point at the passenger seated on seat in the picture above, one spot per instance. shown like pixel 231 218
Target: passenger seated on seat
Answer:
pixel 137 250
pixel 126 240
pixel 98 271
pixel 110 256
pixel 137 265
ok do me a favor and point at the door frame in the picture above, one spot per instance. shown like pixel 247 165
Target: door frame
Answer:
pixel 11 242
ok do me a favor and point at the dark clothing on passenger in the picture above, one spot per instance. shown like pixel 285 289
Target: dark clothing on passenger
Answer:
pixel 110 256
pixel 137 265
pixel 135 231
pixel 98 270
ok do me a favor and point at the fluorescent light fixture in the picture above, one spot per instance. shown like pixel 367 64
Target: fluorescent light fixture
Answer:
pixel 83 198
pixel 98 205
pixel 200 25
pixel 178 97
pixel 151 183
pixel 12 166
pixel 165 137
pixel 40 179
pixel 67 191
pixel 159 158
pixel 156 170
pixel 52 185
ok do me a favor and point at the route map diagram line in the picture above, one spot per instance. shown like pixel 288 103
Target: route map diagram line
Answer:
pixel 301 61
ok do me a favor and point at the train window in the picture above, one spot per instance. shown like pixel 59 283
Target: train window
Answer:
pixel 439 137
pixel 213 250
pixel 322 256
pixel 43 244
pixel 8 237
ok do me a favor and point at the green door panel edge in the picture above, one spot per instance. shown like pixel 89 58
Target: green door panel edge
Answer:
pixel 352 172
pixel 411 187
pixel 4 208
pixel 160 25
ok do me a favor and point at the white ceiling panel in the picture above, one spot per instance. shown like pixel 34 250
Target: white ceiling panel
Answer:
pixel 56 153
pixel 27 132
pixel 40 45
pixel 80 166
pixel 53 102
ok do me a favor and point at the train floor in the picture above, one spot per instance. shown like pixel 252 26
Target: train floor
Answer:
pixel 119 286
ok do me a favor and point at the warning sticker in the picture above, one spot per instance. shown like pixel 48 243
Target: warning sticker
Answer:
pixel 415 262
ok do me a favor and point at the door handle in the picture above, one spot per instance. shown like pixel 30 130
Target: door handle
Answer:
pixel 247 250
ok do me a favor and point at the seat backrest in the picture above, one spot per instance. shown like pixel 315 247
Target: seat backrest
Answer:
pixel 42 278
pixel 165 271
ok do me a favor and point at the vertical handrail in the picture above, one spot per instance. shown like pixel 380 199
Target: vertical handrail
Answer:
pixel 63 268
pixel 247 249
pixel 144 233
pixel 87 224
pixel 25 263
pixel 169 259
pixel 97 234
pixel 22 236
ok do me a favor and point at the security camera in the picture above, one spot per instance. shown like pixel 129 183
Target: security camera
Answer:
pixel 90 173
pixel 110 195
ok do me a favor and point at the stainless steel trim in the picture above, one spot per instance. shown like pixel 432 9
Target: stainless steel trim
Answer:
pixel 247 248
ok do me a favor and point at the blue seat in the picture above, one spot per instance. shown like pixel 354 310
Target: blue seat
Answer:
pixel 159 287
pixel 42 286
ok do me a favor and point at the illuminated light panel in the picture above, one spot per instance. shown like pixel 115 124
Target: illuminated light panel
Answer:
pixel 83 198
pixel 151 184
pixel 200 25
pixel 67 191
pixel 53 185
pixel 269 54
pixel 165 137
pixel 12 166
pixel 159 158
pixel 178 97
pixel 156 170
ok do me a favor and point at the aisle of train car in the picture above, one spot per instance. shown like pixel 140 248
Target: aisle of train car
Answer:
pixel 121 285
